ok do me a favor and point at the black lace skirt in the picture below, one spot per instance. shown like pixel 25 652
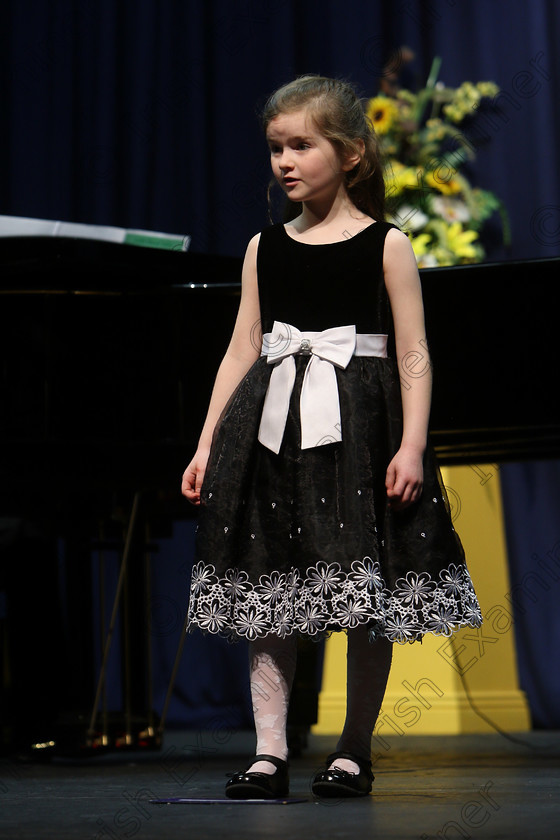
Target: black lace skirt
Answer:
pixel 304 541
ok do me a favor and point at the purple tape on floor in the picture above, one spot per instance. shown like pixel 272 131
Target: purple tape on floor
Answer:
pixel 289 801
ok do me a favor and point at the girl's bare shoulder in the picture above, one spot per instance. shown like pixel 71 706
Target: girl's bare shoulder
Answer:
pixel 396 238
pixel 250 259
pixel 397 247
pixel 253 243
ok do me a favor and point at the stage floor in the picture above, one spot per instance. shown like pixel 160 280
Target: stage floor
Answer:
pixel 481 786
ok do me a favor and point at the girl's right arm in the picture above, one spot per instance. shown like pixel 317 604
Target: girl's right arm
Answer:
pixel 242 353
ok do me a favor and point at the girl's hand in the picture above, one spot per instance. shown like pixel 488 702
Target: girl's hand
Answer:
pixel 404 478
pixel 194 476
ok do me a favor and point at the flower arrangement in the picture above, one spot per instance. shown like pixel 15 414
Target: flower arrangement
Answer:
pixel 424 143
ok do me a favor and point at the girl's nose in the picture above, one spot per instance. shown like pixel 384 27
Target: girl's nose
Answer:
pixel 285 161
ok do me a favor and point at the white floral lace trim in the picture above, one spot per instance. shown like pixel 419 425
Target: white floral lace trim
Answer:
pixel 328 598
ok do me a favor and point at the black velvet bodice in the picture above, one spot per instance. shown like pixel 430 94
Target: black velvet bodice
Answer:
pixel 315 287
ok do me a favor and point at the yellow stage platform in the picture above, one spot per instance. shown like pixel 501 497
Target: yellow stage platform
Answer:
pixel 431 683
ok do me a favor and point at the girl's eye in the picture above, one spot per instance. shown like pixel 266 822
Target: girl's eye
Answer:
pixel 276 150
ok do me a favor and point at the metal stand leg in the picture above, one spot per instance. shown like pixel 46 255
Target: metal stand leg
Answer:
pixel 173 676
pixel 90 737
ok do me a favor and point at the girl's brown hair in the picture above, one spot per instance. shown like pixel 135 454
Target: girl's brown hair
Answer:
pixel 338 113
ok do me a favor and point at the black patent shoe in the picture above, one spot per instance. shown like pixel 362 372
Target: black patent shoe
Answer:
pixel 254 785
pixel 339 783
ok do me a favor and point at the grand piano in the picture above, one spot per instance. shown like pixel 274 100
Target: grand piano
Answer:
pixel 108 358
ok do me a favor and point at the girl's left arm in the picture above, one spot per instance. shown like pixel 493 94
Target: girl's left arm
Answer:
pixel 404 477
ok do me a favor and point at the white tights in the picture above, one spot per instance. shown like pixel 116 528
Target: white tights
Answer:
pixel 273 662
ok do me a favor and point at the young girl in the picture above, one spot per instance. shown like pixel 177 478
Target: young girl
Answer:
pixel 322 507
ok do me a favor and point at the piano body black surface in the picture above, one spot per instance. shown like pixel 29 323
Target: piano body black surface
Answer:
pixel 108 357
pixel 109 353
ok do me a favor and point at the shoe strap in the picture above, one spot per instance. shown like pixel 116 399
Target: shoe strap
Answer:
pixel 278 762
pixel 363 763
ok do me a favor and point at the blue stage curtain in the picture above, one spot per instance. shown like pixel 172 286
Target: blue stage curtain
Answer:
pixel 211 690
pixel 531 513
pixel 144 114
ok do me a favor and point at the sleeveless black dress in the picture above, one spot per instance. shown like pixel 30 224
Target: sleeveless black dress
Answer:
pixel 304 541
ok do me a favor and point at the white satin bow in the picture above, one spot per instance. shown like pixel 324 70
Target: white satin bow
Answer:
pixel 319 402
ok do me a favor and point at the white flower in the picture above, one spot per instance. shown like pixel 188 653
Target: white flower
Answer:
pixel 251 623
pixel 212 617
pixel 324 579
pixel 409 218
pixel 366 574
pixel 441 621
pixel 400 628
pixel 351 612
pixel 271 588
pixel 293 584
pixel 236 584
pixel 202 578
pixel 309 618
pixel 415 589
pixel 473 616
pixel 282 622
pixel 452 579
pixel 450 209
pixel 427 261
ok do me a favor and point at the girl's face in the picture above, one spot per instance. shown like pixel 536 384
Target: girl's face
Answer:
pixel 305 164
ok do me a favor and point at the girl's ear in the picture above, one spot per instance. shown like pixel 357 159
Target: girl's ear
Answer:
pixel 352 159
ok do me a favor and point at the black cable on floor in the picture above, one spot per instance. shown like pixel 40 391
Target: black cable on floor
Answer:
pixel 489 720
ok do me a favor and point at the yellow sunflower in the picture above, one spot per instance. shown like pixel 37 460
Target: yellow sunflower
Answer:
pixel 382 112
pixel 446 185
